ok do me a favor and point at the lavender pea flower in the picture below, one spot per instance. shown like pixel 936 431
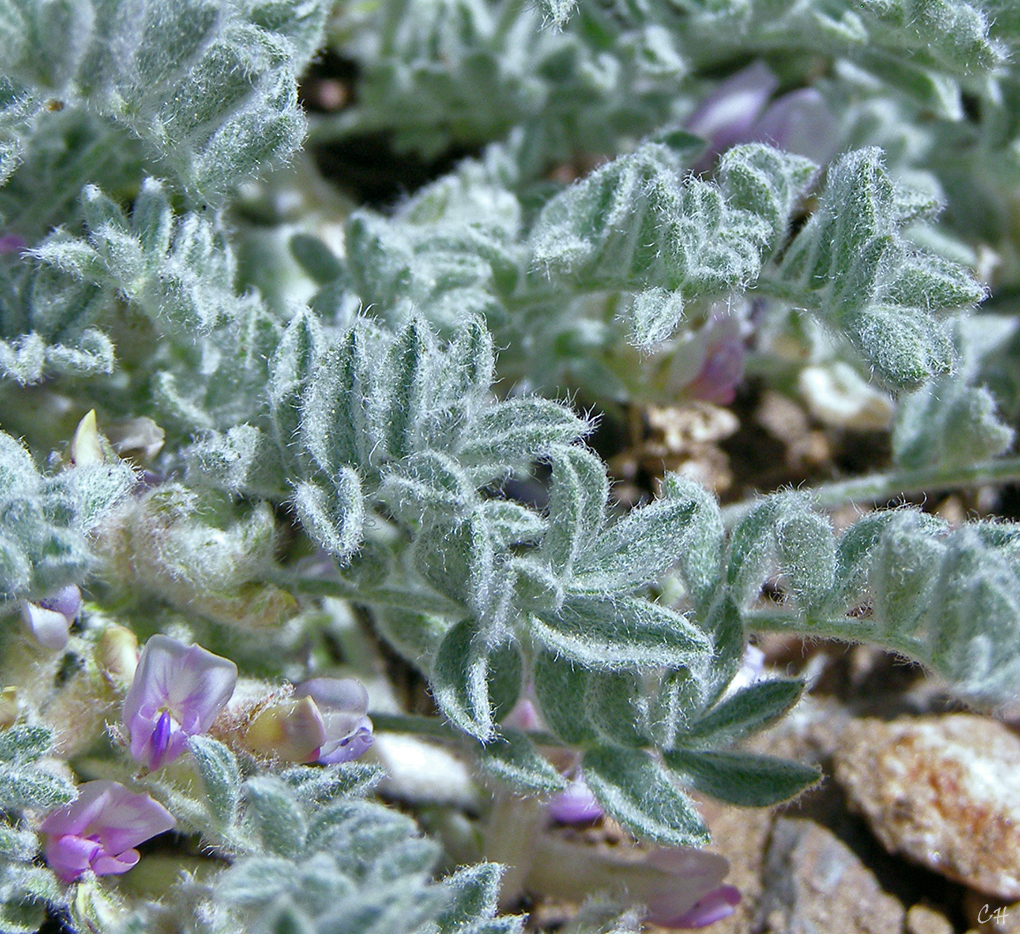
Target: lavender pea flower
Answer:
pixel 100 829
pixel 575 804
pixel 11 243
pixel 739 112
pixel 727 116
pixel 343 704
pixel 718 904
pixel 49 620
pixel 679 887
pixel 177 692
pixel 323 720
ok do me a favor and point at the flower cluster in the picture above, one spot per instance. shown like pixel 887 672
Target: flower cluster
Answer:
pixel 177 692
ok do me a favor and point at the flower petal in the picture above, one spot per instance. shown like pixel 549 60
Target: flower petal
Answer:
pixel 48 627
pixel 69 856
pixel 727 115
pixel 575 805
pixel 192 684
pixel 674 879
pixel 350 747
pixel 129 819
pixel 114 865
pixel 718 904
pixel 339 694
pixel 78 816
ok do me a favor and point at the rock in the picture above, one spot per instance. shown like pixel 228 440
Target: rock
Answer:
pixel 944 791
pixel 921 919
pixel 814 882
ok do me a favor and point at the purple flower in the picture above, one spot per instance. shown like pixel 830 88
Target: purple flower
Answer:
pixel 11 243
pixel 718 904
pixel 50 619
pixel 726 116
pixel 680 899
pixel 679 886
pixel 799 122
pixel 343 705
pixel 99 830
pixel 575 804
pixel 739 112
pixel 721 373
pixel 177 692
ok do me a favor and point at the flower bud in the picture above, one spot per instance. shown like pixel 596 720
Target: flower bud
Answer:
pixel 87 443
pixel 49 620
pixel 290 729
pixel 8 707
pixel 116 653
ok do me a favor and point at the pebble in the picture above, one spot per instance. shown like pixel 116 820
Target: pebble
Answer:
pixel 814 882
pixel 943 791
pixel 921 919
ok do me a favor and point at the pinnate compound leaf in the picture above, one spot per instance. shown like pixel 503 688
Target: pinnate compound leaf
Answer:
pixel 209 88
pixel 856 270
pixel 23 783
pixel 742 778
pixel 636 791
pixel 634 225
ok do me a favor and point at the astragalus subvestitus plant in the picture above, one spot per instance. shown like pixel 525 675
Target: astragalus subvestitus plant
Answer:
pixel 283 539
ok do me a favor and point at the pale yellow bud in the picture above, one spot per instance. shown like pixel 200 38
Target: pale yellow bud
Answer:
pixel 291 729
pixel 87 444
pixel 117 653
pixel 8 707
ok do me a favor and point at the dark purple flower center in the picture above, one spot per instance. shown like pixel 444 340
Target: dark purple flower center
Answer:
pixel 159 741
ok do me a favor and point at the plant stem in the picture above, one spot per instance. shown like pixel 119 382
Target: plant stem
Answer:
pixel 881 487
pixel 416 601
pixel 434 726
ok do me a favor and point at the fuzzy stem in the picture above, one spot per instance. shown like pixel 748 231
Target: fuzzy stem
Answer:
pixel 511 837
pixel 880 487
pixel 433 726
pixel 415 601
pixel 843 628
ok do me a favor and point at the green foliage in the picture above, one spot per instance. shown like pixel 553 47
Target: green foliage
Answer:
pixel 635 226
pixel 44 520
pixel 954 420
pixel 457 71
pixel 853 267
pixel 179 272
pixel 941 597
pixel 338 424
pixel 25 783
pixel 209 88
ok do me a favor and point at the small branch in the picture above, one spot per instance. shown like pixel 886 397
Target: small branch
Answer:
pixel 882 487
pixel 433 726
pixel 416 602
